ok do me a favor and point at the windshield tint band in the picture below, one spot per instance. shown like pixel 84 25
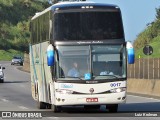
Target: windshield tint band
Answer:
pixel 87 26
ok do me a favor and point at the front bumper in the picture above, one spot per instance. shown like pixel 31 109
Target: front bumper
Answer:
pixel 16 62
pixel 101 99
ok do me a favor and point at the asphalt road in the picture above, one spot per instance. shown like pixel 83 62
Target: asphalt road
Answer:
pixel 15 95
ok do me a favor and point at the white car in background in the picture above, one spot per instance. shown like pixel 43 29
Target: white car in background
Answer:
pixel 1 74
pixel 17 60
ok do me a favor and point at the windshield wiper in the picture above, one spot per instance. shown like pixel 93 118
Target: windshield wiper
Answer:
pixel 74 77
pixel 106 75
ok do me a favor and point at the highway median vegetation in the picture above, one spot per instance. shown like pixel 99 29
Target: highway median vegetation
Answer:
pixel 14 25
pixel 150 36
pixel 7 55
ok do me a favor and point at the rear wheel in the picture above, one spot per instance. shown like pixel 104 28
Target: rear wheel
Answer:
pixel 49 106
pixel 113 108
pixel 56 108
pixel 41 105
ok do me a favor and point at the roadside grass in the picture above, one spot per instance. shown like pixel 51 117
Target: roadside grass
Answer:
pixel 7 55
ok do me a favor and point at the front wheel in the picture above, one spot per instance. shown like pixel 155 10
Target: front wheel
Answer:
pixel 2 81
pixel 113 108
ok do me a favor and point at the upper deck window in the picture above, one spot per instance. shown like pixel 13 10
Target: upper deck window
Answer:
pixel 91 25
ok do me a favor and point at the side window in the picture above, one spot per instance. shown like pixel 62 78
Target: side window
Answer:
pixel 34 32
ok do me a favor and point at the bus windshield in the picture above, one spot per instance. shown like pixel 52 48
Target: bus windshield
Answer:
pixel 90 25
pixel 101 61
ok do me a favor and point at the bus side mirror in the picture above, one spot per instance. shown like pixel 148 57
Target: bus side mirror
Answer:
pixel 130 52
pixel 50 55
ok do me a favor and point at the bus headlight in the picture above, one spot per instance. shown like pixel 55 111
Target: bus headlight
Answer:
pixel 63 91
pixel 117 90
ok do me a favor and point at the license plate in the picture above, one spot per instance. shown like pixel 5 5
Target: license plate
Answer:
pixel 91 99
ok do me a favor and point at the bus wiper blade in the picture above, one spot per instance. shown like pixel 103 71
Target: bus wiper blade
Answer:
pixel 107 75
pixel 75 77
pixel 111 75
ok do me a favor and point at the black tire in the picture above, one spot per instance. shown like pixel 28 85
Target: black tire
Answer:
pixel 49 106
pixel 41 105
pixel 2 81
pixel 113 108
pixel 56 108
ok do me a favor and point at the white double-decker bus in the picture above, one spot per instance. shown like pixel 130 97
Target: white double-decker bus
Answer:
pixel 78 56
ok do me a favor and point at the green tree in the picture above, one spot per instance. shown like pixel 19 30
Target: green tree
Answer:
pixel 152 31
pixel 14 23
pixel 158 13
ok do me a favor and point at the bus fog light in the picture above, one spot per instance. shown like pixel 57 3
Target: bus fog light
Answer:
pixel 117 90
pixel 58 99
pixel 123 98
pixel 119 98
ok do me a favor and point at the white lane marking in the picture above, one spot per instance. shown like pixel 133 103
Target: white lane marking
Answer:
pixel 144 97
pixel 52 118
pixel 4 100
pixel 22 107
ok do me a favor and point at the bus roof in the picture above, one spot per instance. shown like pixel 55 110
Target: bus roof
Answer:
pixel 76 5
